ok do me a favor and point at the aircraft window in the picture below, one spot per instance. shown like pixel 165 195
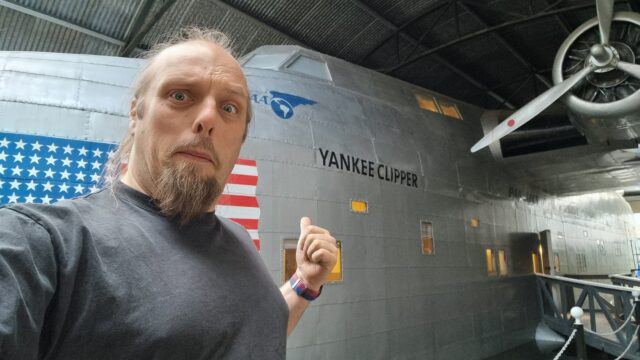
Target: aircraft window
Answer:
pixel 426 233
pixel 618 249
pixel 359 207
pixel 266 61
pixel 309 66
pixel 450 110
pixel 428 103
pixel 535 262
pixel 475 222
pixel 491 261
pixel 502 262
pixel 288 258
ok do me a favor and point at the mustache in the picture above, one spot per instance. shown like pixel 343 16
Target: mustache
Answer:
pixel 198 145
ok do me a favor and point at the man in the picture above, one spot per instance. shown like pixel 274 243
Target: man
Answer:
pixel 145 269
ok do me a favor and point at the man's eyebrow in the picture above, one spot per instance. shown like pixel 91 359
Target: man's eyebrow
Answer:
pixel 178 80
pixel 237 91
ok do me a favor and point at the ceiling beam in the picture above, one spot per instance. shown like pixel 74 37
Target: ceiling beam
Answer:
pixel 475 34
pixel 559 18
pixel 438 58
pixel 505 43
pixel 400 28
pixel 66 24
pixel 259 23
pixel 139 30
pixel 137 22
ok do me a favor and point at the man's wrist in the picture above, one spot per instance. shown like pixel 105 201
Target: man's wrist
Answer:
pixel 302 289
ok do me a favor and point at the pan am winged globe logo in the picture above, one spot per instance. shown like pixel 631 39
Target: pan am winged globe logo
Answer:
pixel 282 104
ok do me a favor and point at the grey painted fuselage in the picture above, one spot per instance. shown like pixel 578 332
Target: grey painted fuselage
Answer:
pixel 361 135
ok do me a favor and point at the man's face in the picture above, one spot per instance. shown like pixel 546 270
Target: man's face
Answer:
pixel 189 131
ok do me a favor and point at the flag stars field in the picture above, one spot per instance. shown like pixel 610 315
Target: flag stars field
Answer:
pixel 41 169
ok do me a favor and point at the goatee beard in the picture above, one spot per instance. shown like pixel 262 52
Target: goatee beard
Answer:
pixel 182 193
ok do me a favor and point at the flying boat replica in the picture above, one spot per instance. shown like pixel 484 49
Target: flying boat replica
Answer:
pixel 438 246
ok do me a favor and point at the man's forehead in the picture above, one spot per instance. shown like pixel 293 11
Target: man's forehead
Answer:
pixel 195 56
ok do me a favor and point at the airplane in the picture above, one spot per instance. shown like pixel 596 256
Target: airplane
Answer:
pixel 437 245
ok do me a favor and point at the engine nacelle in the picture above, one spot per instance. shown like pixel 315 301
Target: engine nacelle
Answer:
pixel 606 107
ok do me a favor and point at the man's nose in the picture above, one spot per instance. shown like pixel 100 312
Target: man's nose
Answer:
pixel 206 118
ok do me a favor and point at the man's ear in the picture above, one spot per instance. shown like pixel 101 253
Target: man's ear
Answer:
pixel 133 115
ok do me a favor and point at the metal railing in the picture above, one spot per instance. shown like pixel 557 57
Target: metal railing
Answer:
pixel 608 311
pixel 623 280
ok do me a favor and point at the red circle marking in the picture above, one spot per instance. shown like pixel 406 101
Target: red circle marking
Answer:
pixel 511 122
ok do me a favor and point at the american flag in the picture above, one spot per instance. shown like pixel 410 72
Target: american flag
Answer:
pixel 238 201
pixel 43 170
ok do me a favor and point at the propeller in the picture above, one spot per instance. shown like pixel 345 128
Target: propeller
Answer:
pixel 601 57
pixel 533 108
pixel 605 14
pixel 629 68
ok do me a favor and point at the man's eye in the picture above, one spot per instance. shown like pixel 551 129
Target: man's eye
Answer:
pixel 179 96
pixel 229 108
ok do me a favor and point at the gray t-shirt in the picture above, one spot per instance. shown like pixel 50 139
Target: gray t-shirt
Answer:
pixel 106 276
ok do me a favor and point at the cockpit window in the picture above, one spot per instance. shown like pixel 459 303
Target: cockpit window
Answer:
pixel 266 61
pixel 312 67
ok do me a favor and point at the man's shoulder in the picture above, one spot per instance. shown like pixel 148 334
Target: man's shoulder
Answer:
pixel 62 211
pixel 236 229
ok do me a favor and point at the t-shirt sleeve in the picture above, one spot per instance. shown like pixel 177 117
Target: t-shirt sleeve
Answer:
pixel 27 283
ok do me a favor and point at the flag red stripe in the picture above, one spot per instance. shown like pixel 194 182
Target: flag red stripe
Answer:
pixel 246 162
pixel 238 200
pixel 243 179
pixel 249 224
pixel 257 244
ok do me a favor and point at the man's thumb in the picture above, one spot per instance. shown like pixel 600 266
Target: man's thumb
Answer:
pixel 304 222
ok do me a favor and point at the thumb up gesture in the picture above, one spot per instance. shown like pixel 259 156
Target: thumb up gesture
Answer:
pixel 316 254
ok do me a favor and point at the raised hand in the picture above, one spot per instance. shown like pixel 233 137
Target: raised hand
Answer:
pixel 316 254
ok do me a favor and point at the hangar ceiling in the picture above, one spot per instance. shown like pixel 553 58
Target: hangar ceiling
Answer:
pixel 491 53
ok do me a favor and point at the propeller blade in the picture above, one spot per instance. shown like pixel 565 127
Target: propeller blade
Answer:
pixel 629 68
pixel 605 14
pixel 529 111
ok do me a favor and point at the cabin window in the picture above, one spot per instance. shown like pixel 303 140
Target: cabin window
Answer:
pixel 450 110
pixel 359 206
pixel 426 233
pixel 618 249
pixel 535 262
pixel 266 61
pixel 475 222
pixel 312 67
pixel 502 262
pixel 491 261
pixel 289 264
pixel 428 103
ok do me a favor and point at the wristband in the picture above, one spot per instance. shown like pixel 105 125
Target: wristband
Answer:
pixel 298 286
